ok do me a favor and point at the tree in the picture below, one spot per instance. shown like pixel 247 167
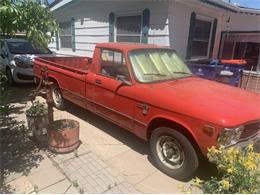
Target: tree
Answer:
pixel 8 15
pixel 29 17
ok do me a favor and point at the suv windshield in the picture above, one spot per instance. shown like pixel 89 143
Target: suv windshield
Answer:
pixel 151 65
pixel 26 48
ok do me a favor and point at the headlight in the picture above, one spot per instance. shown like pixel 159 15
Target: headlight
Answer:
pixel 21 63
pixel 230 136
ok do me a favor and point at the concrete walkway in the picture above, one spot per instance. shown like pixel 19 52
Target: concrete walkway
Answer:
pixel 109 160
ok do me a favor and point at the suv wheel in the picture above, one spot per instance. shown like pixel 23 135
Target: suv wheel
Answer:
pixel 9 76
pixel 173 153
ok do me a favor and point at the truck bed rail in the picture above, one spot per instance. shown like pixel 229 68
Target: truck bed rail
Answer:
pixel 78 65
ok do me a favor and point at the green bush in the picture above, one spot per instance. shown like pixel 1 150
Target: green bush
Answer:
pixel 37 109
pixel 239 171
pixel 63 124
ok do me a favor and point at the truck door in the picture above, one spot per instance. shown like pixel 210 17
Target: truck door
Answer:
pixel 113 98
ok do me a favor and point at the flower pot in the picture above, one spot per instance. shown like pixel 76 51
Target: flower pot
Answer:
pixel 38 124
pixel 64 139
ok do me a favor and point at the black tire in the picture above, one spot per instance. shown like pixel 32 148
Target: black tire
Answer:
pixel 58 100
pixel 9 77
pixel 188 161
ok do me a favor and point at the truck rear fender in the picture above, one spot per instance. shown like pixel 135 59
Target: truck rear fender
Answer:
pixel 161 121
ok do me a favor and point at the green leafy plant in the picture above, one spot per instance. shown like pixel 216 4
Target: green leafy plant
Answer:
pixel 75 183
pixel 36 188
pixel 64 124
pixel 81 191
pixel 239 171
pixel 30 17
pixel 37 109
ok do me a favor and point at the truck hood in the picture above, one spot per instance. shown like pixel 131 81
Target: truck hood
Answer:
pixel 207 100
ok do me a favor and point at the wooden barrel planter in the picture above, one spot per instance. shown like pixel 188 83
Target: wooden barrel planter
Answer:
pixel 64 137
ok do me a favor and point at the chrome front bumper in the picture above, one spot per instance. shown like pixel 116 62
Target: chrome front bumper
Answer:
pixel 255 140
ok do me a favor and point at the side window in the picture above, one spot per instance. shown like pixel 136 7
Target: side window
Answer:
pixel 113 64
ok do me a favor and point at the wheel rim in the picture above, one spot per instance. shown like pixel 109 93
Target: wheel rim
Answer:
pixel 56 96
pixel 170 152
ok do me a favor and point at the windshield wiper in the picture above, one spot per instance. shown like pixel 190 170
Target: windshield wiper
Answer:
pixel 156 74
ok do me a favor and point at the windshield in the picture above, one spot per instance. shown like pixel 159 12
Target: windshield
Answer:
pixel 26 48
pixel 151 65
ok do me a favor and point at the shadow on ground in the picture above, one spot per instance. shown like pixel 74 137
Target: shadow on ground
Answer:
pixel 205 171
pixel 18 154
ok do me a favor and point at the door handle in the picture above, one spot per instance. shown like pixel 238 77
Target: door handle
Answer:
pixel 98 81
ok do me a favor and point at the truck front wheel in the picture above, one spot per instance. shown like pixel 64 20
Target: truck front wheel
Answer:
pixel 57 97
pixel 173 153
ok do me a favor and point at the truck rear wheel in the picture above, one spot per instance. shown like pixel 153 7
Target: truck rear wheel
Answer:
pixel 57 97
pixel 173 153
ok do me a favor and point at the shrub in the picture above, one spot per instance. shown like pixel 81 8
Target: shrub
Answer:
pixel 239 171
pixel 37 109
pixel 64 124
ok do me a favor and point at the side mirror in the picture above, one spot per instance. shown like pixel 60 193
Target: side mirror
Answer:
pixel 123 80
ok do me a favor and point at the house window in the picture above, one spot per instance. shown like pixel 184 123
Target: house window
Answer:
pixel 128 29
pixel 66 35
pixel 201 38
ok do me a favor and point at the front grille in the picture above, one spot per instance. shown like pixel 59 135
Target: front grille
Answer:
pixel 250 129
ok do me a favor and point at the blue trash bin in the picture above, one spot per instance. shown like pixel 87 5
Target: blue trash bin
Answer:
pixel 228 72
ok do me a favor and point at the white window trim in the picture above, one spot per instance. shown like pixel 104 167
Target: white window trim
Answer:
pixel 129 13
pixel 207 19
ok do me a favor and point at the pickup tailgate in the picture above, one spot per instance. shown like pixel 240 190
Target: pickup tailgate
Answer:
pixel 68 72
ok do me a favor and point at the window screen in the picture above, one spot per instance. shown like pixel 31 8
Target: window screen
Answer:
pixel 65 35
pixel 128 29
pixel 201 38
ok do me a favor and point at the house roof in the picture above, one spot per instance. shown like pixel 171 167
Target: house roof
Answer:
pixel 231 7
pixel 221 4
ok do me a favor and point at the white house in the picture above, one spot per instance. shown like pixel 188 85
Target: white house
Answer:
pixel 197 29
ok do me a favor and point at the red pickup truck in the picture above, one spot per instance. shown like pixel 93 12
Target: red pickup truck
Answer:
pixel 149 91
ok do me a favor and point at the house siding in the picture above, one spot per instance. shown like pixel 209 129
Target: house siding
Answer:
pixel 92 23
pixel 169 23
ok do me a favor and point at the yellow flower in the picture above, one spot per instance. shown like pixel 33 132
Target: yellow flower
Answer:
pixel 230 170
pixel 189 191
pixel 198 180
pixel 250 147
pixel 226 185
pixel 250 165
pixel 180 186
